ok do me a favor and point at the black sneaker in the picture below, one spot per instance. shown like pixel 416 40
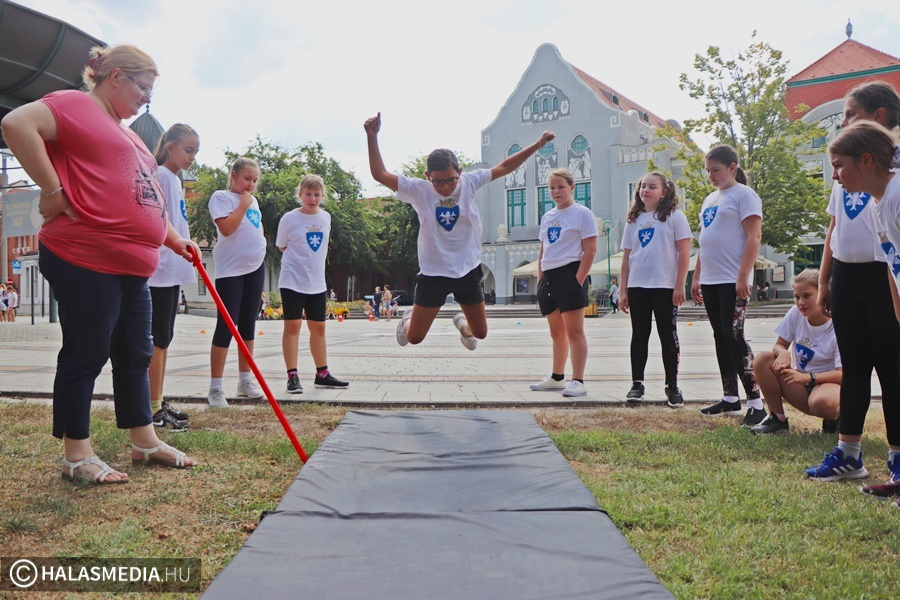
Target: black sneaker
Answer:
pixel 770 425
pixel 329 381
pixel 674 397
pixel 162 419
pixel 181 416
pixel 830 425
pixel 753 417
pixel 293 385
pixel 722 408
pixel 636 392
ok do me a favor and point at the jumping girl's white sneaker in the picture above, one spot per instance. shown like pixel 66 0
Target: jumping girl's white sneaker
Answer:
pixel 469 341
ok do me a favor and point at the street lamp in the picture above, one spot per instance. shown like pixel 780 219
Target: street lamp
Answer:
pixel 607 228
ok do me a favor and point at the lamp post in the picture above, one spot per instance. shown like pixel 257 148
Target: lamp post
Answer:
pixel 607 228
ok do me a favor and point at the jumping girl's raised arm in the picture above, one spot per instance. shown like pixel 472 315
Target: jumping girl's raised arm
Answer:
pixel 513 162
pixel 376 163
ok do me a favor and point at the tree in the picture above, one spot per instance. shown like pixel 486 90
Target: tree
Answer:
pixel 745 105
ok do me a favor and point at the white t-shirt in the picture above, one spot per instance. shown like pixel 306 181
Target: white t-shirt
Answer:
pixel 562 232
pixel 243 251
pixel 722 237
pixel 885 221
pixel 304 238
pixel 449 227
pixel 173 269
pixel 853 237
pixel 12 300
pixel 814 348
pixel 653 260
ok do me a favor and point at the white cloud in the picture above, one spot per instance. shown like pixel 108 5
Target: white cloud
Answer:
pixel 295 72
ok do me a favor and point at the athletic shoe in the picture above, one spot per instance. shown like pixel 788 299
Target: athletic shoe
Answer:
pixel 401 334
pixel 548 384
pixel 830 425
pixel 163 419
pixel 720 408
pixel 330 381
pixel 575 388
pixel 181 416
pixel 469 341
pixel 770 425
pixel 891 488
pixel 896 503
pixel 293 385
pixel 673 397
pixel 249 389
pixel 636 392
pixel 837 466
pixel 217 398
pixel 753 417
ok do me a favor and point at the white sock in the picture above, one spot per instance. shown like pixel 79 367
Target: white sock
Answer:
pixel 732 399
pixel 755 403
pixel 215 383
pixel 245 376
pixel 851 449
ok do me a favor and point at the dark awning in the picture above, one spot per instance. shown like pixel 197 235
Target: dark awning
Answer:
pixel 38 55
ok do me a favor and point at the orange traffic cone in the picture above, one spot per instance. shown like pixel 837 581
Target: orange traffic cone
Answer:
pixel 340 319
pixel 371 316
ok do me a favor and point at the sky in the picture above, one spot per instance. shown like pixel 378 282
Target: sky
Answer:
pixel 294 71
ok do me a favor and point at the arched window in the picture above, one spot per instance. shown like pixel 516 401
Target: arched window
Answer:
pixel 579 144
pixel 545 105
pixel 513 149
pixel 534 106
pixel 555 103
pixel 548 150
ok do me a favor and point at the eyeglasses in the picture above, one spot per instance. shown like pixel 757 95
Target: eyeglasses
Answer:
pixel 146 90
pixel 448 181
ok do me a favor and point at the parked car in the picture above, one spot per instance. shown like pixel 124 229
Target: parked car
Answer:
pixel 402 297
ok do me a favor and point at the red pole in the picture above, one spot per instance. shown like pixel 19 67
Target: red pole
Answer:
pixel 246 352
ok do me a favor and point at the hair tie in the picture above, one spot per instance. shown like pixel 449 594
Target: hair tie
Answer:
pixel 895 160
pixel 95 63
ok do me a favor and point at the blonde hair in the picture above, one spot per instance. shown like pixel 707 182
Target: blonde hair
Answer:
pixel 563 173
pixel 809 276
pixel 310 181
pixel 129 59
pixel 175 134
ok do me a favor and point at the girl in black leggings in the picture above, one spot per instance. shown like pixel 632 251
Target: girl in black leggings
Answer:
pixel 730 234
pixel 657 248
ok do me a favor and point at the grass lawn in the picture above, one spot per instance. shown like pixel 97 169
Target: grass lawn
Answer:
pixel 715 512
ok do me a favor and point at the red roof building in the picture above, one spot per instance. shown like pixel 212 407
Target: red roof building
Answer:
pixel 836 73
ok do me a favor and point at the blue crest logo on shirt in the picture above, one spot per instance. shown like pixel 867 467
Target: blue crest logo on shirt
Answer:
pixel 855 203
pixel 447 216
pixel 709 215
pixel 804 355
pixel 645 235
pixel 893 260
pixel 184 209
pixel 314 239
pixel 254 216
pixel 553 234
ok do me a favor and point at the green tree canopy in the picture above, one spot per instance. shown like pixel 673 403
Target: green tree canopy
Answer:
pixel 744 99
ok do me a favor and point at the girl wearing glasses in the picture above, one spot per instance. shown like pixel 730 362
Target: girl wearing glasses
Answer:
pixel 449 244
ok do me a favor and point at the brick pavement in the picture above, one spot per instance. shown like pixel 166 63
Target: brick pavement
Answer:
pixel 438 372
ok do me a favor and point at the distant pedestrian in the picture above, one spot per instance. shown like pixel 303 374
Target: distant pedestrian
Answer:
pixel 614 295
pixel 333 296
pixel 386 298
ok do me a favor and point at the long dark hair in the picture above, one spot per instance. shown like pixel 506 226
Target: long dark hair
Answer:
pixel 726 155
pixel 667 204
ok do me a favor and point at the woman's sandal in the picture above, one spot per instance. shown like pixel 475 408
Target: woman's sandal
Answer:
pixel 152 460
pixel 97 478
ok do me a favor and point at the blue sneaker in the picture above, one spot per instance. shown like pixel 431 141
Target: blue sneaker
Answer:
pixel 889 489
pixel 837 466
